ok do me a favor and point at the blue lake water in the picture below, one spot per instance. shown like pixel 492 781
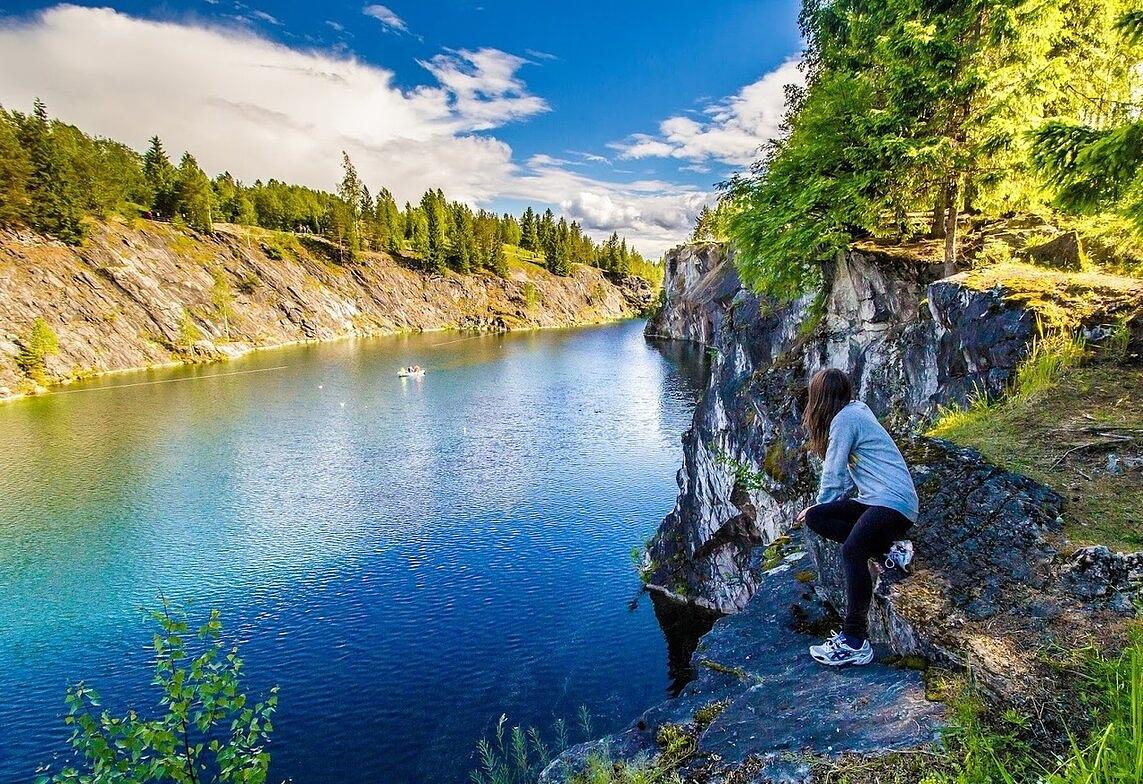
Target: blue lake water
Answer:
pixel 406 559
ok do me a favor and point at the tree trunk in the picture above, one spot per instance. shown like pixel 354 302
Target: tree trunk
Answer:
pixel 940 207
pixel 951 215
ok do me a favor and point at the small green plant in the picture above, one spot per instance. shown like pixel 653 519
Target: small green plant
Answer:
pixel 744 475
pixel 675 743
pixel 36 346
pixel 517 755
pixel 207 731
pixel 998 749
pixel 1115 751
pixel 601 769
pixel 189 333
pixel 531 295
pixel 223 300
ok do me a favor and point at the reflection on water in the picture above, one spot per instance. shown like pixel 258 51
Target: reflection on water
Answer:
pixel 407 559
pixel 682 628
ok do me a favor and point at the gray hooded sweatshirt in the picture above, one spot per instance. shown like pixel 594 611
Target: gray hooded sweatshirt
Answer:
pixel 861 453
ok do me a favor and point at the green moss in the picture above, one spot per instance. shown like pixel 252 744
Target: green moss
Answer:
pixel 774 463
pixel 725 669
pixel 1061 299
pixel 706 715
pixel 775 553
pixel 806 576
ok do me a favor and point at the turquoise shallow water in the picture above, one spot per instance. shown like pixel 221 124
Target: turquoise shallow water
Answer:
pixel 407 559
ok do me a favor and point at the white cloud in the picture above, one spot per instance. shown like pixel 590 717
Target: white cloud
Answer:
pixel 386 17
pixel 265 17
pixel 729 131
pixel 484 86
pixel 259 109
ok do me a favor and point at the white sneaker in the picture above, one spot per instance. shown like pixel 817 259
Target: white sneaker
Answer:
pixel 900 555
pixel 834 652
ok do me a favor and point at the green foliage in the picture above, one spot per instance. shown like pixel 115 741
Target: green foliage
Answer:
pixel 208 730
pixel 189 333
pixel 601 769
pixel 990 748
pixel 36 346
pixel 54 203
pixel 1094 161
pixel 712 225
pixel 910 107
pixel 52 174
pixel 194 198
pixel 517 755
pixel 1114 752
pixel 346 211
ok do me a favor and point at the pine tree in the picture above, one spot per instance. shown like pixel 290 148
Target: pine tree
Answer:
pixel 436 228
pixel 194 197
pixel 160 177
pixel 54 204
pixel 15 167
pixel 462 240
pixel 529 236
pixel 1096 162
pixel 347 217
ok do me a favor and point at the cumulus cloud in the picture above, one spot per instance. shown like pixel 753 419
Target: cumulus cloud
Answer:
pixel 654 214
pixel 729 131
pixel 485 86
pixel 259 109
pixel 385 16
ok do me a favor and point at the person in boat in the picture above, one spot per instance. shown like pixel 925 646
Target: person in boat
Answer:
pixel 857 453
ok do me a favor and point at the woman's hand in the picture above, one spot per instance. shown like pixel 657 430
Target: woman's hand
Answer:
pixel 801 518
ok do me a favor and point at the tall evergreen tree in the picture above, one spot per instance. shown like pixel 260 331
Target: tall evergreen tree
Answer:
pixel 159 174
pixel 347 216
pixel 54 204
pixel 194 197
pixel 529 232
pixel 436 225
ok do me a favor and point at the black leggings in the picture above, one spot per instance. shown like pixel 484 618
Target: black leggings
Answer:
pixel 864 532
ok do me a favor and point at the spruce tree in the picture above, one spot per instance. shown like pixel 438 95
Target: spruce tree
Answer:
pixel 54 205
pixel 436 230
pixel 194 197
pixel 529 236
pixel 160 177
pixel 347 217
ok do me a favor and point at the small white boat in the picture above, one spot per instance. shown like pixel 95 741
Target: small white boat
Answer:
pixel 414 371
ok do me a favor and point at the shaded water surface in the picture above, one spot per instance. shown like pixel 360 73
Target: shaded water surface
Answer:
pixel 407 559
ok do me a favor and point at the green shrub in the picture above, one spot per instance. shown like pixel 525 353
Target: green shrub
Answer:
pixel 36 346
pixel 189 333
pixel 208 730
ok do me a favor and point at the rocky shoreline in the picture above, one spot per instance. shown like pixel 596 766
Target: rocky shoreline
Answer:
pixel 147 294
pixel 996 586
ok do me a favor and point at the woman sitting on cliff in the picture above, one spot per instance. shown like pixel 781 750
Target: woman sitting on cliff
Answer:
pixel 857 452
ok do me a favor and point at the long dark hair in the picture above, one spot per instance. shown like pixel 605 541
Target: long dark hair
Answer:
pixel 830 391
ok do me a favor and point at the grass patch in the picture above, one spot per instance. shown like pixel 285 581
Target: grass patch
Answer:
pixel 1067 426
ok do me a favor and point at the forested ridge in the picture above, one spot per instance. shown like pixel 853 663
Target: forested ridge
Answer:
pixel 53 177
pixel 922 120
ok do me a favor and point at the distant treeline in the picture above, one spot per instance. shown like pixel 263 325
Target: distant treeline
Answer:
pixel 53 175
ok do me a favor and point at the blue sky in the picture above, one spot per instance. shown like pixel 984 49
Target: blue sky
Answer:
pixel 619 114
